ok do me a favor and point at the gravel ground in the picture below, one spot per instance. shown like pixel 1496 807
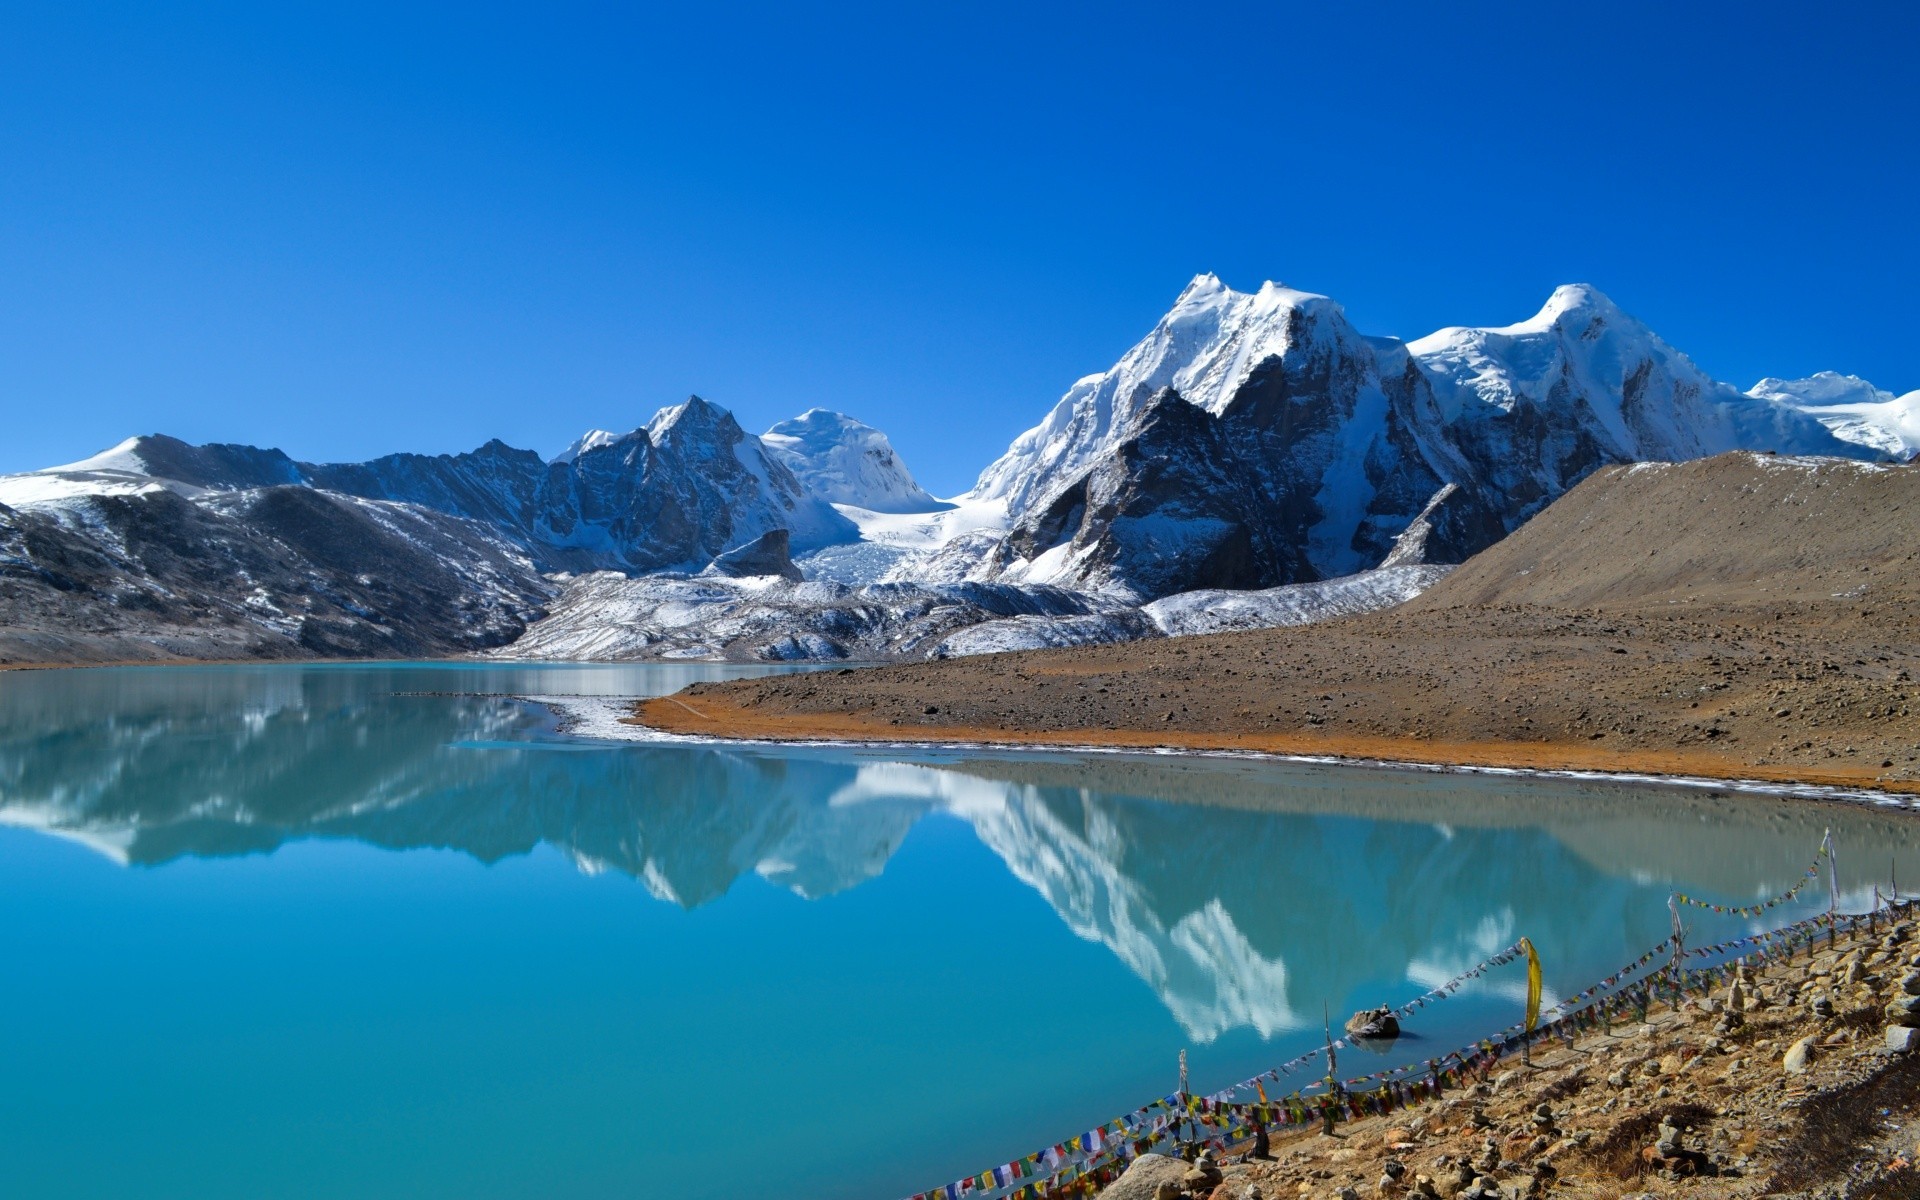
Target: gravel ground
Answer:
pixel 1747 1123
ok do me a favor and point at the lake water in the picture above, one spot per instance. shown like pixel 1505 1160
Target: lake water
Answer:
pixel 381 931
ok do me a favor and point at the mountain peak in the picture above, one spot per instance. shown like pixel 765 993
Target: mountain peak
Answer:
pixel 1202 285
pixel 1820 389
pixel 1576 302
pixel 847 462
pixel 695 417
pixel 1852 409
pixel 592 439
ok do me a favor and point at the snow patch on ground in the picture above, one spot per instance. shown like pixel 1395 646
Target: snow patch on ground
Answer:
pixel 1295 604
pixel 607 616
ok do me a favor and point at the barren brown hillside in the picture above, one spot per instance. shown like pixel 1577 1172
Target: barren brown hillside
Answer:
pixel 1744 616
pixel 1740 530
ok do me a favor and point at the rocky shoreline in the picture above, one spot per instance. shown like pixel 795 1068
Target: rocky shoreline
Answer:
pixel 1801 1079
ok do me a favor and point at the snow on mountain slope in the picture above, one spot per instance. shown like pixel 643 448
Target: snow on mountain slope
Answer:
pixel 762 494
pixel 1853 409
pixel 1204 348
pixel 843 461
pixel 1592 372
pixel 945 546
pixel 1325 448
pixel 592 439
pixel 272 572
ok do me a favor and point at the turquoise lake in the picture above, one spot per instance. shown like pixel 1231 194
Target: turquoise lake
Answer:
pixel 385 931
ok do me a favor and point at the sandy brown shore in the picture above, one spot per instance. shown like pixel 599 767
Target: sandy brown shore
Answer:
pixel 1795 696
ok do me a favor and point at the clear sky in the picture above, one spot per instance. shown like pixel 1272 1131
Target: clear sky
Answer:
pixel 348 230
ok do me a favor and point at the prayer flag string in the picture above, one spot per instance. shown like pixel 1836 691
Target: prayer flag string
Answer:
pixel 1094 1158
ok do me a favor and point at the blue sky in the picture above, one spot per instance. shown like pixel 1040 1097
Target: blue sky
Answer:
pixel 348 230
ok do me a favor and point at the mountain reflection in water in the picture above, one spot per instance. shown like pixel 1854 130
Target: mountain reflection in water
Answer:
pixel 1284 885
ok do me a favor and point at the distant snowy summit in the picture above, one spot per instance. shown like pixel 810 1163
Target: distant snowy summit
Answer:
pixel 845 462
pixel 1853 409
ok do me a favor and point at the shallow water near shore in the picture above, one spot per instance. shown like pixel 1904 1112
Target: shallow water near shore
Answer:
pixel 381 930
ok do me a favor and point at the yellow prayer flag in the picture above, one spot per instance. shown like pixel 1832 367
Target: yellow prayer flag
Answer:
pixel 1533 984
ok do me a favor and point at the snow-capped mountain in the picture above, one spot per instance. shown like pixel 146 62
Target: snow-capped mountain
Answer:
pixel 592 439
pixel 1204 349
pixel 845 462
pixel 1853 409
pixel 1250 441
pixel 673 494
pixel 1256 440
pixel 1536 407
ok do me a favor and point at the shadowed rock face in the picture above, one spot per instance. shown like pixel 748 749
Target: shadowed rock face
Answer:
pixel 1170 509
pixel 764 555
pixel 267 572
pixel 688 487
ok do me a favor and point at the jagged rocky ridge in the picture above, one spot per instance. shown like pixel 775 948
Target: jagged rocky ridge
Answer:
pixel 1249 442
pixel 1255 440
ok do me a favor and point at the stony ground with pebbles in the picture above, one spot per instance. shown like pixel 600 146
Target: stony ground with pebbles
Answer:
pixel 1798 1095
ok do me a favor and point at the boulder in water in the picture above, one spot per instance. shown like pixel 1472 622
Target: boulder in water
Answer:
pixel 1373 1024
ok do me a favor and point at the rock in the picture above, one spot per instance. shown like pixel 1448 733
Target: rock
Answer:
pixel 1204 1175
pixel 768 554
pixel 1822 1005
pixel 1347 1193
pixel 1144 1178
pixel 1910 983
pixel 1671 1064
pixel 1374 1025
pixel 1799 1056
pixel 1904 1010
pixel 1902 1038
pixel 1669 1141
